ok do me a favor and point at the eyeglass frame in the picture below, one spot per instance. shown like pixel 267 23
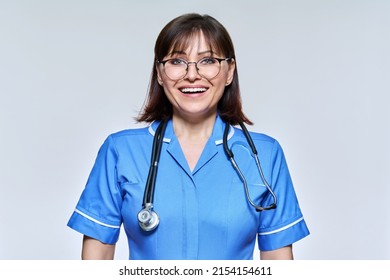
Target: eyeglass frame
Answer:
pixel 196 65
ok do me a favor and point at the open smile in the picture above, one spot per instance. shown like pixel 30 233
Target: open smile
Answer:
pixel 193 90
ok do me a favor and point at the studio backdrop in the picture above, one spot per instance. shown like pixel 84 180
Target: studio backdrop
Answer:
pixel 314 75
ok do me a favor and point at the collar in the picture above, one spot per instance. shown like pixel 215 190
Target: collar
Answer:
pixel 217 133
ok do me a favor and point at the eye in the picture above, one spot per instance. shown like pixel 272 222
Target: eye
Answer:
pixel 176 62
pixel 208 61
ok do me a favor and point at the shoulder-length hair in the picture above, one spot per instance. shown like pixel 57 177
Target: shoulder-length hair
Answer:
pixel 176 36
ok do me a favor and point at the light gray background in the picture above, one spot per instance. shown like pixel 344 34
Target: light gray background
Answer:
pixel 314 75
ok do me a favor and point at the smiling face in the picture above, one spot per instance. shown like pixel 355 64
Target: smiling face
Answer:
pixel 193 97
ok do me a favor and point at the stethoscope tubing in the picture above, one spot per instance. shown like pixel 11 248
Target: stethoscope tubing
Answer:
pixel 230 155
pixel 155 158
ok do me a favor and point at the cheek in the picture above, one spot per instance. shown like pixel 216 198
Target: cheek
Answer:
pixel 226 74
pixel 169 86
pixel 222 81
pixel 169 92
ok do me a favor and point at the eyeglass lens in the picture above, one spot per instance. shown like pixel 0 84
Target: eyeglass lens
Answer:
pixel 176 69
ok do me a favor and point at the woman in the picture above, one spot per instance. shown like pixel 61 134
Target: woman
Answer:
pixel 205 206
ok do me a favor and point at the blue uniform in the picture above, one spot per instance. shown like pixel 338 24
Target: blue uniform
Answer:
pixel 204 213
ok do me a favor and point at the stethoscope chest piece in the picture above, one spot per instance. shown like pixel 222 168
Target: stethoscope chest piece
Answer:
pixel 148 219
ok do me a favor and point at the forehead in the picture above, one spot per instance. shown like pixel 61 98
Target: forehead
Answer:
pixel 196 41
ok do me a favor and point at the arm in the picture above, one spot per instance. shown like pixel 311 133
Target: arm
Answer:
pixel 95 250
pixel 284 253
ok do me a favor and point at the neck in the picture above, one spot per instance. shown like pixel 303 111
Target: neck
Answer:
pixel 193 129
pixel 193 135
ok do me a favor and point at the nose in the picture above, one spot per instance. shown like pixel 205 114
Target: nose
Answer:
pixel 192 72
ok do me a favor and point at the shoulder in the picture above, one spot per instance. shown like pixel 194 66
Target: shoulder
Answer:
pixel 256 136
pixel 264 143
pixel 127 137
pixel 130 133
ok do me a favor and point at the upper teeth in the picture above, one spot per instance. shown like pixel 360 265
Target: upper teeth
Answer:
pixel 192 89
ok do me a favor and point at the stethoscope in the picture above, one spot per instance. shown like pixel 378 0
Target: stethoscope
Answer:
pixel 148 219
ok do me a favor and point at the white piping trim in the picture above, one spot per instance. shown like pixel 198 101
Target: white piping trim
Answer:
pixel 153 132
pixel 168 140
pixel 282 228
pixel 94 220
pixel 230 135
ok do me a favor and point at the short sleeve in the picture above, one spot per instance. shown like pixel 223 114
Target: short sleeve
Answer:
pixel 98 212
pixel 284 225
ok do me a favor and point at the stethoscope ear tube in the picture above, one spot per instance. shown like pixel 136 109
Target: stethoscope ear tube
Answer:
pixel 156 152
pixel 230 155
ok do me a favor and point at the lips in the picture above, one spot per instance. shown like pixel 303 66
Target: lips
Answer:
pixel 193 90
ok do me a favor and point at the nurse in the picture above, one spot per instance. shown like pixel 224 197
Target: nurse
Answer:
pixel 200 198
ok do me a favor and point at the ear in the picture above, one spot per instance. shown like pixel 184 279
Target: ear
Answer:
pixel 232 68
pixel 159 79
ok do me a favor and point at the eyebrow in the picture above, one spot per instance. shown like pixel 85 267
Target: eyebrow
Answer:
pixel 183 52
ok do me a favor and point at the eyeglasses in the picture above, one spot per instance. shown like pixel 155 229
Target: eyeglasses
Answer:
pixel 177 68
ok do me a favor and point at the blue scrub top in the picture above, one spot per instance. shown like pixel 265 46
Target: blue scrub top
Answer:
pixel 204 213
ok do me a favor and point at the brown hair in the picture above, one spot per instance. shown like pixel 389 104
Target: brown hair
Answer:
pixel 175 36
